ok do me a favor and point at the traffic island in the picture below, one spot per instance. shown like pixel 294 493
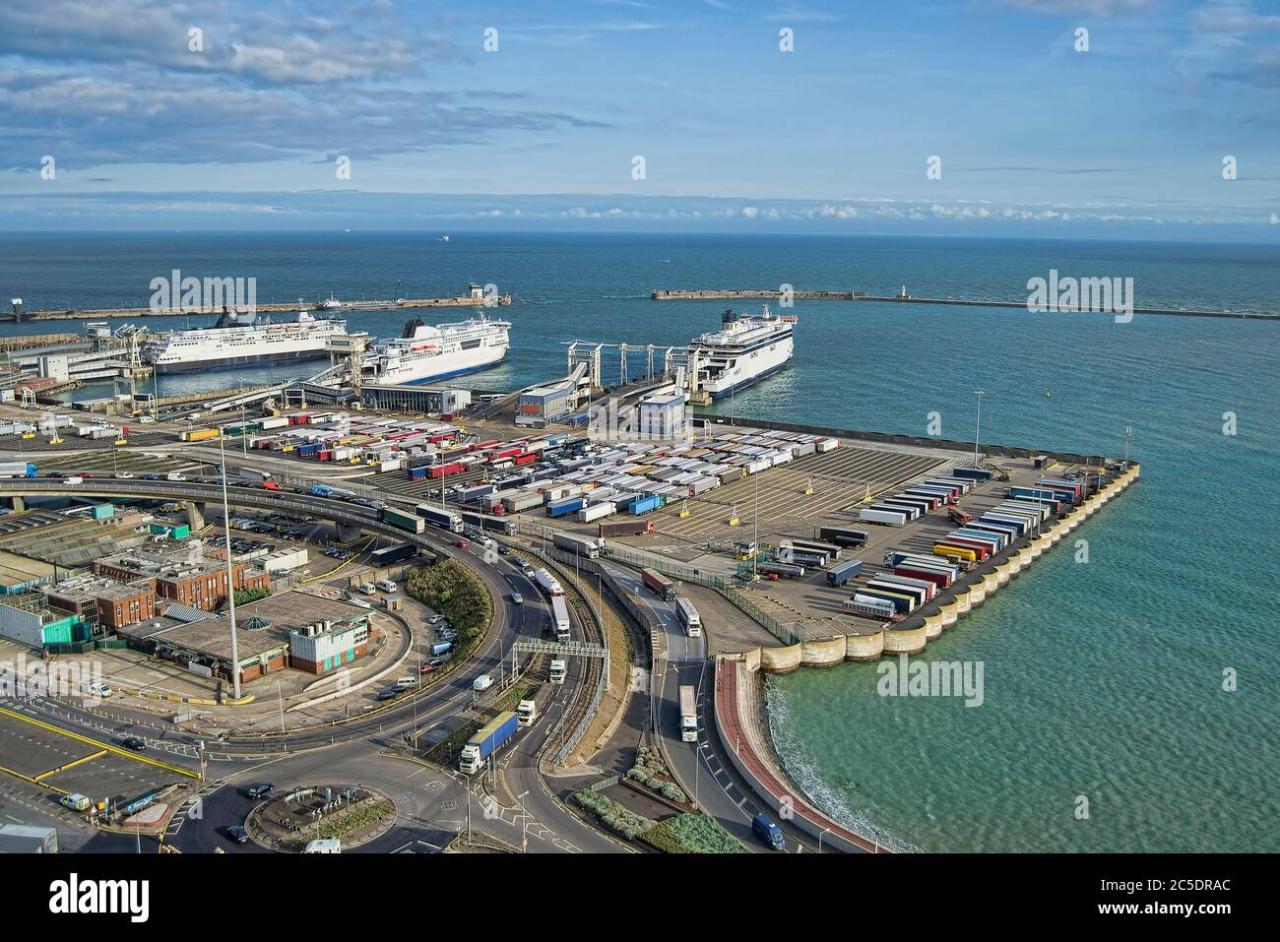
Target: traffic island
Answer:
pixel 289 822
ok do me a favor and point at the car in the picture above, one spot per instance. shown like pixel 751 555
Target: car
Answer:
pixel 123 475
pixel 136 743
pixel 389 693
pixel 436 619
pixel 428 668
pixel 238 834
pixel 517 598
pixel 151 477
pixel 504 550
pixel 462 543
pixel 99 689
pixel 257 791
pixel 438 661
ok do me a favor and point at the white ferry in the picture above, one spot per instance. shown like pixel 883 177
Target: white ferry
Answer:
pixel 242 338
pixel 745 350
pixel 424 352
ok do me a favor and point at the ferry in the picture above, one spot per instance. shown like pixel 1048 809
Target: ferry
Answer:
pixel 424 352
pixel 240 338
pixel 745 350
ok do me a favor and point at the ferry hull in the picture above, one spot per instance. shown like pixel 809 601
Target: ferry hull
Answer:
pixel 739 386
pixel 410 377
pixel 227 363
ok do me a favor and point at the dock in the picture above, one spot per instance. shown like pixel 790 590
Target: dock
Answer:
pixel 772 294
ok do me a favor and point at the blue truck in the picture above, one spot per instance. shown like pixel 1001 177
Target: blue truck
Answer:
pixel 321 490
pixel 762 826
pixel 488 739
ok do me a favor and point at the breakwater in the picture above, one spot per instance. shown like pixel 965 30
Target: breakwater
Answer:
pixel 771 294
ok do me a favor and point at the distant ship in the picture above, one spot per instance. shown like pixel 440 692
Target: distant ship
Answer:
pixel 424 352
pixel 745 350
pixel 240 339
pixel 330 303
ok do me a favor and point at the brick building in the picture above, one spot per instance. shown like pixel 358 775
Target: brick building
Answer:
pixel 184 576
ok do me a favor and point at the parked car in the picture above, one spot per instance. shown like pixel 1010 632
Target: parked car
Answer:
pixel 388 694
pixel 428 668
pixel 136 743
pixel 99 689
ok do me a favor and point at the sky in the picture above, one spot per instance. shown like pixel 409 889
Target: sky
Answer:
pixel 1056 118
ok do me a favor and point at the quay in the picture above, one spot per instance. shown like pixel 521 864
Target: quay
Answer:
pixel 747 294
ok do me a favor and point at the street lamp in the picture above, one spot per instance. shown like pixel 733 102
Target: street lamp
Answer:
pixel 978 425
pixel 820 836
pixel 231 591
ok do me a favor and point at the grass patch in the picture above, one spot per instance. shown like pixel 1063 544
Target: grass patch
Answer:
pixel 692 833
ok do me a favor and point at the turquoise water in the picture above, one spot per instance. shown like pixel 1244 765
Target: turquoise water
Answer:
pixel 1101 679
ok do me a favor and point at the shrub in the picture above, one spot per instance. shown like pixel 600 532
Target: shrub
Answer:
pixel 455 592
pixel 672 792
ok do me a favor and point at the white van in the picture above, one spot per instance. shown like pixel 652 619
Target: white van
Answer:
pixel 483 682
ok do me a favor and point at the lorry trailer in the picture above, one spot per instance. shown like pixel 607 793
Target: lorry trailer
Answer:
pixel 659 584
pixel 559 618
pixel 548 583
pixel 840 574
pixel 405 521
pixel 688 713
pixel 842 536
pixel 444 519
pixel 689 617
pixel 488 739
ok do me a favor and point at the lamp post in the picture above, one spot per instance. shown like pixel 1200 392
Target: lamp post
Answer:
pixel 231 590
pixel 977 429
pixel 820 836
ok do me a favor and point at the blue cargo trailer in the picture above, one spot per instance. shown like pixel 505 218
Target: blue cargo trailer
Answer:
pixel 561 508
pixel 839 575
pixel 972 474
pixel 997 539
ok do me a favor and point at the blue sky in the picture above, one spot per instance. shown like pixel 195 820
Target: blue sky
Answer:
pixel 1034 137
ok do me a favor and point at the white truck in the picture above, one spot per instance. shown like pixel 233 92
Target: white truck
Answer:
pixel 688 713
pixel 527 712
pixel 557 671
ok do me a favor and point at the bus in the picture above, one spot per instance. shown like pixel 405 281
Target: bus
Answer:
pixel 689 618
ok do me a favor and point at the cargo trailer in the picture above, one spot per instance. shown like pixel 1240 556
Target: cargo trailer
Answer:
pixel 870 607
pixel 547 583
pixel 487 522
pixel 594 512
pixel 562 508
pixel 843 536
pixel 560 618
pixel 783 570
pixel 923 504
pixel 840 574
pixel 488 739
pixel 960 552
pixel 901 602
pixel 389 555
pixel 972 474
pixel 405 521
pixel 625 528
pixel 981 531
pixel 689 617
pixel 523 500
pixel 939 577
pixel 444 519
pixel 928 586
pixel 659 584
pixel 831 550
pixel 887 516
pixel 917 594
pixel 578 545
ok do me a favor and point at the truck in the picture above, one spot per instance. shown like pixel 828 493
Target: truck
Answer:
pixel 548 583
pixel 557 672
pixel 402 519
pixel 444 519
pixel 527 713
pixel 659 584
pixel 593 512
pixel 762 826
pixel 488 739
pixel 28 839
pixel 17 469
pixel 389 555
pixel 688 713
pixel 840 574
pixel 320 490
pixel 559 618
pixel 253 475
pixel 625 528
pixel 578 545
pixel 487 522
pixel 441 648
pixel 689 617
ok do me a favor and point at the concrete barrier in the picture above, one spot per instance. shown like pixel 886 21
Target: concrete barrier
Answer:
pixel 949 614
pixel 781 660
pixel 905 640
pixel 864 647
pixel 932 626
pixel 826 653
